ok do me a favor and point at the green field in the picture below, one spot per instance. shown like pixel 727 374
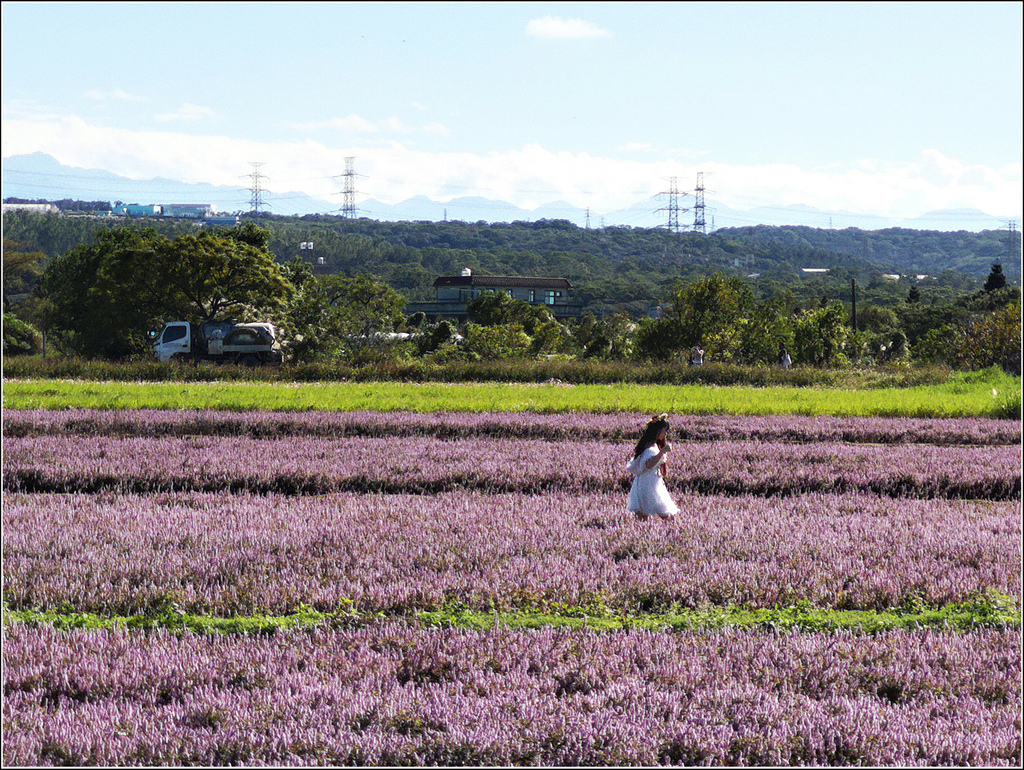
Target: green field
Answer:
pixel 987 394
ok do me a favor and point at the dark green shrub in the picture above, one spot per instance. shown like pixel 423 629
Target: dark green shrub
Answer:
pixel 20 338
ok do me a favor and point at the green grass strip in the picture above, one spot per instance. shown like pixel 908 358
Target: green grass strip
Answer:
pixel 992 612
pixel 957 398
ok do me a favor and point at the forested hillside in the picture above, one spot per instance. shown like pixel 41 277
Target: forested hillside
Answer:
pixel 908 251
pixel 612 269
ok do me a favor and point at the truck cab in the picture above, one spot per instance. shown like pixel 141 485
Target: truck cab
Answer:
pixel 174 340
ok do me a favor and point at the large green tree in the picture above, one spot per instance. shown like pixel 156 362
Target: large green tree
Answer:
pixel 768 327
pixel 995 280
pixel 498 341
pixel 339 316
pixel 106 296
pixel 819 335
pixel 709 311
pixel 986 339
pixel 363 305
pixel 497 307
pixel 22 269
pixel 205 276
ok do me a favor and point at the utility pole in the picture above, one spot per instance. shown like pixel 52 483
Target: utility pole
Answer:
pixel 853 292
pixel 255 189
pixel 673 205
pixel 699 225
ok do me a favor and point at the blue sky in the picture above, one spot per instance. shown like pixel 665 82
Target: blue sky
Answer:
pixel 880 108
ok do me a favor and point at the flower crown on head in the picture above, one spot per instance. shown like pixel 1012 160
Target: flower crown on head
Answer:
pixel 663 417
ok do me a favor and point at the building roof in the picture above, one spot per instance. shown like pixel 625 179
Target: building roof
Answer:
pixel 47 208
pixel 502 282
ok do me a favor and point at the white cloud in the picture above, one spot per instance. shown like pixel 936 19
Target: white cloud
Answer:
pixel 352 123
pixel 29 110
pixel 186 113
pixel 637 147
pixel 359 125
pixel 395 125
pixel 557 28
pixel 900 190
pixel 528 176
pixel 116 94
pixel 436 129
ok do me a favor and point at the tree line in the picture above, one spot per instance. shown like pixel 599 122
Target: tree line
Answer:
pixel 102 298
pixel 612 269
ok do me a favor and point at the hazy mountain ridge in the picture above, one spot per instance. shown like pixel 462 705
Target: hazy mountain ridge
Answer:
pixel 39 176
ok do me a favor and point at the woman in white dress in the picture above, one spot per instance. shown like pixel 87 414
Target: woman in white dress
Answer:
pixel 649 496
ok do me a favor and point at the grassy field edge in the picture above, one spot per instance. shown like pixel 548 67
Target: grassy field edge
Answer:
pixel 993 396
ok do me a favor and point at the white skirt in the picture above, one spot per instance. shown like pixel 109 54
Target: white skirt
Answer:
pixel 649 496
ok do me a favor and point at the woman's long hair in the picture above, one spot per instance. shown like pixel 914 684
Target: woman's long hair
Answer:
pixel 650 434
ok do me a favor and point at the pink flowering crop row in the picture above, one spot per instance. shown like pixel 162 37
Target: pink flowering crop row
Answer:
pixel 310 465
pixel 397 695
pixel 533 521
pixel 243 554
pixel 597 427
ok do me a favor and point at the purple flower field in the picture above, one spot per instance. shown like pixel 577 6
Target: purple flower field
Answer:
pixel 596 427
pixel 393 694
pixel 243 554
pixel 229 514
pixel 417 465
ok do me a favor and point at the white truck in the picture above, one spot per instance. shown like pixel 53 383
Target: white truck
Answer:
pixel 229 342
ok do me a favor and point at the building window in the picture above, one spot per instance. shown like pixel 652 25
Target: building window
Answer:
pixel 549 296
pixel 533 296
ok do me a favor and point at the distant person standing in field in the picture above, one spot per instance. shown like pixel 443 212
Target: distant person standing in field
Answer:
pixel 648 495
pixel 784 360
pixel 697 356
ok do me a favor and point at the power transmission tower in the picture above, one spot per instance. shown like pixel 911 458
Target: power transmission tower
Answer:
pixel 588 218
pixel 255 189
pixel 348 206
pixel 699 225
pixel 1012 249
pixel 673 208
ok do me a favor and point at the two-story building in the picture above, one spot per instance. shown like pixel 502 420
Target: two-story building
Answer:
pixel 454 293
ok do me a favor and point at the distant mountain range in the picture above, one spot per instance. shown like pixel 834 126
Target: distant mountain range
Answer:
pixel 41 177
